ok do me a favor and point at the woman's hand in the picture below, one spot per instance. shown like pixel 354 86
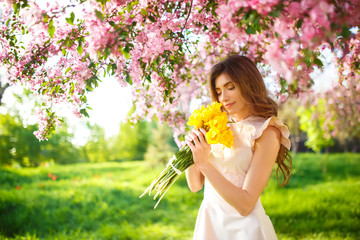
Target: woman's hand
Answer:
pixel 196 140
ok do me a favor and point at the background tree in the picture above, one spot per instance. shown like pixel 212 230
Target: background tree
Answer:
pixel 343 107
pixel 131 142
pixel 161 145
pixel 287 112
pixel 96 148
pixel 60 148
pixel 312 120
pixel 3 87
pixel 18 143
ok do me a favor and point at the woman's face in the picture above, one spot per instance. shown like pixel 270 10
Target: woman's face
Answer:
pixel 228 94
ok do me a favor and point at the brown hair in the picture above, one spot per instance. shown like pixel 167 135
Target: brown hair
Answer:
pixel 244 73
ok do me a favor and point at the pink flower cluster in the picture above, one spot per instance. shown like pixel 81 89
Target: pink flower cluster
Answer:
pixel 344 99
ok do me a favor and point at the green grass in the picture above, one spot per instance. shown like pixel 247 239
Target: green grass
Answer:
pixel 100 201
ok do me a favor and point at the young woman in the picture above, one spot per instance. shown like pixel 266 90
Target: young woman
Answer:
pixel 235 178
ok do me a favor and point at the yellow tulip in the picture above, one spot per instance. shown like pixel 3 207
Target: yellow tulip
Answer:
pixel 196 120
pixel 207 114
pixel 212 136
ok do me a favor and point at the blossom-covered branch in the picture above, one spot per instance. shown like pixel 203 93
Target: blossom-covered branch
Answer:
pixel 164 49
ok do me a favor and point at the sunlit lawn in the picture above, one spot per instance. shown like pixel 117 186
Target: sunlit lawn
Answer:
pixel 100 201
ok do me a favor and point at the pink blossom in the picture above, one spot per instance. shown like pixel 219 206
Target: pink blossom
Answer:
pixel 295 9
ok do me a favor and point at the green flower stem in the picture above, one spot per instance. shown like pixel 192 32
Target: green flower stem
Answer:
pixel 167 177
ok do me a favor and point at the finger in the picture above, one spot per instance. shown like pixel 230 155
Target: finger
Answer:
pixel 190 144
pixel 191 137
pixel 194 136
pixel 204 134
pixel 200 136
pixel 203 130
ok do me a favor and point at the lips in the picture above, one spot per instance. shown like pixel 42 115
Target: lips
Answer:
pixel 228 105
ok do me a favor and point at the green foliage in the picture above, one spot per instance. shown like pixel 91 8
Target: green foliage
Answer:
pixel 291 119
pixel 60 148
pixel 51 28
pixel 131 143
pixel 100 201
pixel 161 145
pixel 19 145
pixel 96 149
pixel 312 121
pixel 289 116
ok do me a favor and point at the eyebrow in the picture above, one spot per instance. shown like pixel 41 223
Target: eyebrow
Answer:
pixel 216 88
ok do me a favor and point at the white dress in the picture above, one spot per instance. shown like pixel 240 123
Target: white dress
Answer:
pixel 218 220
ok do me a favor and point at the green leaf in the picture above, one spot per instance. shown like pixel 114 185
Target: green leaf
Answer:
pixel 51 28
pixel 83 99
pixel 52 90
pixel 24 4
pixel 99 15
pixel 299 23
pixel 144 12
pixel 152 18
pixel 102 1
pixel 84 112
pixel 274 13
pixel 16 7
pixel 107 52
pixel 128 79
pixel 112 23
pixel 69 21
pixel 126 53
pixel 72 88
pixel 250 30
pixel 67 70
pixel 113 67
pixel 79 48
pixel 345 32
pixel 45 18
pixel 318 62
pixel 284 85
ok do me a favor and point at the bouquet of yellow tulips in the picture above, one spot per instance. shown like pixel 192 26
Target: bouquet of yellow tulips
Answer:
pixel 214 121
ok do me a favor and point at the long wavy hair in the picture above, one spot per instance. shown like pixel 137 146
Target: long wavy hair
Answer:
pixel 244 73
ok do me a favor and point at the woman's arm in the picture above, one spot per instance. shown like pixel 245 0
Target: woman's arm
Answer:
pixel 195 179
pixel 242 199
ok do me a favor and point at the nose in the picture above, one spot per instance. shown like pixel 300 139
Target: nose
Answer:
pixel 223 97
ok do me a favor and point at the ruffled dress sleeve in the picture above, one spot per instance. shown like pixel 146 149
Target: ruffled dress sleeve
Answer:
pixel 276 122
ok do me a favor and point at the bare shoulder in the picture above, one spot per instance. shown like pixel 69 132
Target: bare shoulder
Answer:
pixel 270 136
